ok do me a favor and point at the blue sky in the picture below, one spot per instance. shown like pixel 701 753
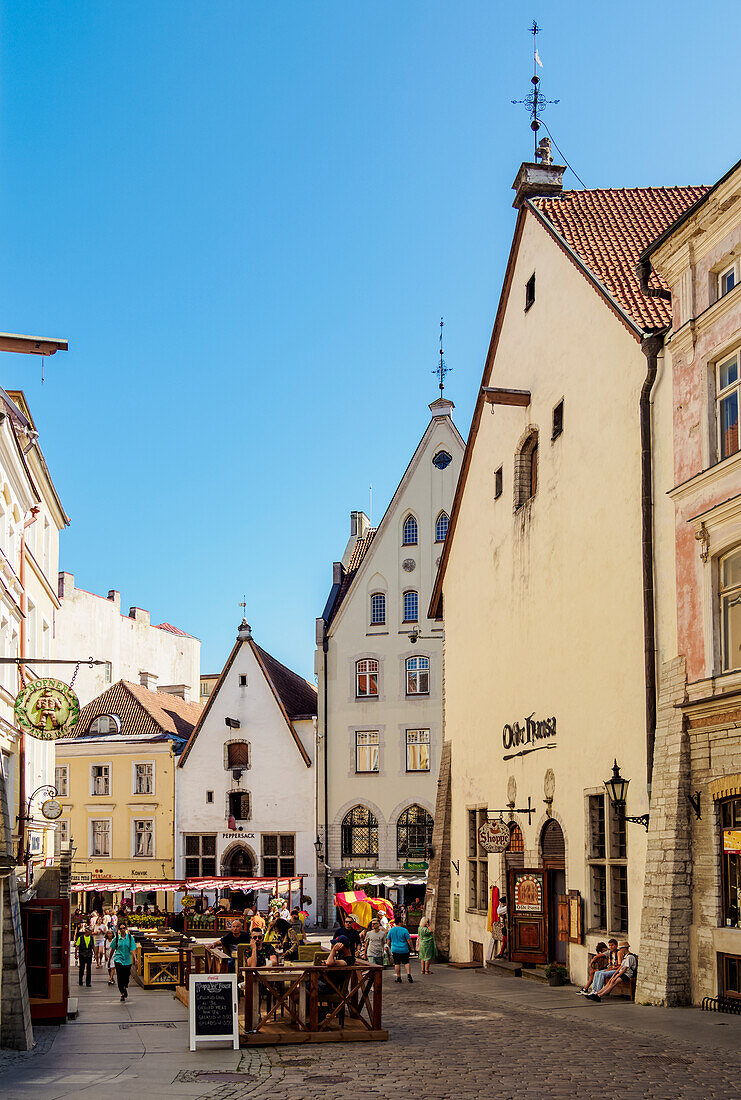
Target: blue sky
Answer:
pixel 248 219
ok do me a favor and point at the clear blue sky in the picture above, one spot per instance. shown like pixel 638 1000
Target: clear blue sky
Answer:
pixel 248 218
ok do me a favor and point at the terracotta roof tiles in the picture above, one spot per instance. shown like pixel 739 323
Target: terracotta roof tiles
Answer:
pixel 140 712
pixel 609 229
pixel 360 549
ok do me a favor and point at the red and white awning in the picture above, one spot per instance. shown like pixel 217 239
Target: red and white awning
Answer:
pixel 188 885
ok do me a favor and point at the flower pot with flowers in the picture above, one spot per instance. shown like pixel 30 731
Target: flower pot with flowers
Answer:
pixel 557 974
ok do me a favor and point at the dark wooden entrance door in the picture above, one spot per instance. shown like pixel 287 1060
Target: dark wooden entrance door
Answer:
pixel 553 850
pixel 45 923
pixel 528 915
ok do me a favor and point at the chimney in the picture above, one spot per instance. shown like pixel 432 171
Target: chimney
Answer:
pixel 115 598
pixel 182 691
pixel 538 180
pixel 148 680
pixel 139 615
pixel 359 524
pixel 65 585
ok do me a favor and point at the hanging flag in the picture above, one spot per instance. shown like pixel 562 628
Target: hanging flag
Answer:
pixel 537 57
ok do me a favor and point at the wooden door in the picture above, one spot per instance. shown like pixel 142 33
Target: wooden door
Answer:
pixel 46 941
pixel 528 915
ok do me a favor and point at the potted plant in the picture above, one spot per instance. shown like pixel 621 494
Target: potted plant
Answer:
pixel 557 974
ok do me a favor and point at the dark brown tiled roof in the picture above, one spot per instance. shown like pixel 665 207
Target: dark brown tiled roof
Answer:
pixel 298 696
pixel 609 229
pixel 360 549
pixel 142 713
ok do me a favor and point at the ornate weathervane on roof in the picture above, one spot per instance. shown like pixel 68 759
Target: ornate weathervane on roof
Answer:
pixel 536 103
pixel 441 369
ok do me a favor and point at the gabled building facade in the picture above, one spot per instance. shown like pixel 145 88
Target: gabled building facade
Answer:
pixel 546 579
pixel 115 777
pixel 691 937
pixel 379 669
pixel 246 779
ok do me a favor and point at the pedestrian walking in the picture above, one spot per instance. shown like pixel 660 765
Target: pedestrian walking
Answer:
pixel 123 946
pixel 98 927
pixel 84 946
pixel 400 943
pixel 375 940
pixel 109 954
pixel 427 945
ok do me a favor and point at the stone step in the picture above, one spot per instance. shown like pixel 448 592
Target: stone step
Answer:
pixel 504 964
pixel 534 974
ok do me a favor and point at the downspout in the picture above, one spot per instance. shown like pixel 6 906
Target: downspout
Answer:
pixel 651 345
pixel 325 650
pixel 22 668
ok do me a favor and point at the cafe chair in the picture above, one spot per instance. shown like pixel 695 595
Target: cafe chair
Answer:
pixel 330 998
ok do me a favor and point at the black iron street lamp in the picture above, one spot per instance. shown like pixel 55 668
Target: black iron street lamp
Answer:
pixel 617 789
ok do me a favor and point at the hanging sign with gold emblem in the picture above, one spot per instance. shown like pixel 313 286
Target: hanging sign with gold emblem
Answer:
pixel 47 709
pixel 494 835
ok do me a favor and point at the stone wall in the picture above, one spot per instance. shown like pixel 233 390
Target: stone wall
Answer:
pixel 437 901
pixel 664 962
pixel 16 1031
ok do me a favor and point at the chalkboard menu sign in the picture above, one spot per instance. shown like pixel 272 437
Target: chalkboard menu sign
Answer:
pixel 212 1000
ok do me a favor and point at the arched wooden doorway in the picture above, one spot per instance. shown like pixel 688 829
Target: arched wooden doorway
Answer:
pixel 553 859
pixel 238 862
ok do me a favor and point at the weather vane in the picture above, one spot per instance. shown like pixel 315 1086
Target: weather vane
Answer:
pixel 441 369
pixel 243 605
pixel 536 102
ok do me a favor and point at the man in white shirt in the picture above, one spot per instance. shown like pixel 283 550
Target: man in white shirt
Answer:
pixel 285 913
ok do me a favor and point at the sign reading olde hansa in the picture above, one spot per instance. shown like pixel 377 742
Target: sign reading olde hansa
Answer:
pixel 528 732
pixel 494 835
pixel 47 709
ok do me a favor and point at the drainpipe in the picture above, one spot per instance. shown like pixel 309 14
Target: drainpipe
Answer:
pixel 22 739
pixel 325 650
pixel 651 345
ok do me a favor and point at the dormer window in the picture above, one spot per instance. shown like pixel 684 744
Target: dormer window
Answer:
pixel 410 531
pixel 105 723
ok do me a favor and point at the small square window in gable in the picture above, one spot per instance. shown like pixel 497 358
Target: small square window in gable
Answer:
pixel 530 291
pixel 243 680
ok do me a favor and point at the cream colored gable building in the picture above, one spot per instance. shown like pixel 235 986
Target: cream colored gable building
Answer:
pixel 542 578
pixel 380 694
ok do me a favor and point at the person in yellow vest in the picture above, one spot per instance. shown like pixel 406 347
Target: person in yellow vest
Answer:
pixel 84 944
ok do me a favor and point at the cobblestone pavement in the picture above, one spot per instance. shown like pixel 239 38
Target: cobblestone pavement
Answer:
pixel 457 1034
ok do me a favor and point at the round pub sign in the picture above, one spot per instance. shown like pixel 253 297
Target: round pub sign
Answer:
pixel 494 835
pixel 47 709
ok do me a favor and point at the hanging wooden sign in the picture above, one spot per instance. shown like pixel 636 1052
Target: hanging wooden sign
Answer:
pixel 494 835
pixel 47 709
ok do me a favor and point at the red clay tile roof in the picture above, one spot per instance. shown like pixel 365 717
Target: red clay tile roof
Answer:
pixel 172 629
pixel 141 712
pixel 609 229
pixel 360 549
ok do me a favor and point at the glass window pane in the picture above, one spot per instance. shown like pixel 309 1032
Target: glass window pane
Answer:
pixel 732 570
pixel 732 631
pixel 208 867
pixel 729 425
pixel 208 845
pixel 728 372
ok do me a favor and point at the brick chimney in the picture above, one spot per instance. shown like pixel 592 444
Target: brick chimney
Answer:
pixel 182 691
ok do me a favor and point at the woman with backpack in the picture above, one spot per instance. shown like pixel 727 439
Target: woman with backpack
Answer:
pixel 123 946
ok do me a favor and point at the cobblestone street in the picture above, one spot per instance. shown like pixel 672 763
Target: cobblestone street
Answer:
pixel 459 1034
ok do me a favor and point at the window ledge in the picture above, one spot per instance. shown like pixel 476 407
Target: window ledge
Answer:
pixel 477 912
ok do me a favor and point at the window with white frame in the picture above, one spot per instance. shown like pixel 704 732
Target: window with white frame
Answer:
pixel 411 606
pixel 441 527
pixel 366 678
pixel 144 778
pixel 61 780
pixel 728 385
pixel 100 836
pixel 730 610
pixel 366 751
pixel 409 537
pixel 61 836
pixel 378 609
pixel 143 838
pixel 727 279
pixel 104 724
pixel 100 779
pixel 418 750
pixel 607 866
pixel 418 675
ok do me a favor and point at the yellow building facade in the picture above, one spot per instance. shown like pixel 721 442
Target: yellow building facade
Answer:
pixel 116 782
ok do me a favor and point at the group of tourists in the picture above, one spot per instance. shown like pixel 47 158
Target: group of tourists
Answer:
pixel 272 940
pixel 612 964
pixel 105 937
pixel 383 940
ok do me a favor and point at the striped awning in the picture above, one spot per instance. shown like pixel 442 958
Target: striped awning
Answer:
pixel 188 885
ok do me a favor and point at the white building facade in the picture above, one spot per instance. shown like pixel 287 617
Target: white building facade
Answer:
pixel 159 656
pixel 245 784
pixel 379 668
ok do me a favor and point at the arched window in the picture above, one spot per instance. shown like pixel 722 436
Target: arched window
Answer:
pixel 366 678
pixel 238 754
pixel 515 853
pixel 411 606
pixel 410 531
pixel 105 723
pixel 441 527
pixel 526 469
pixel 414 833
pixel 359 833
pixel 378 608
pixel 730 607
pixel 418 675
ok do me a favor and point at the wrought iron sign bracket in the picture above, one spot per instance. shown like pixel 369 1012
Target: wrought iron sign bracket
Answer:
pixel 529 810
pixel 695 803
pixel 641 820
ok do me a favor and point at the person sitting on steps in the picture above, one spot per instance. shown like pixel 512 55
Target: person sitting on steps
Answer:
pixel 599 962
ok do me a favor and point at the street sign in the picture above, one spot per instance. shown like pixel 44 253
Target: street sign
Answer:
pixel 494 836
